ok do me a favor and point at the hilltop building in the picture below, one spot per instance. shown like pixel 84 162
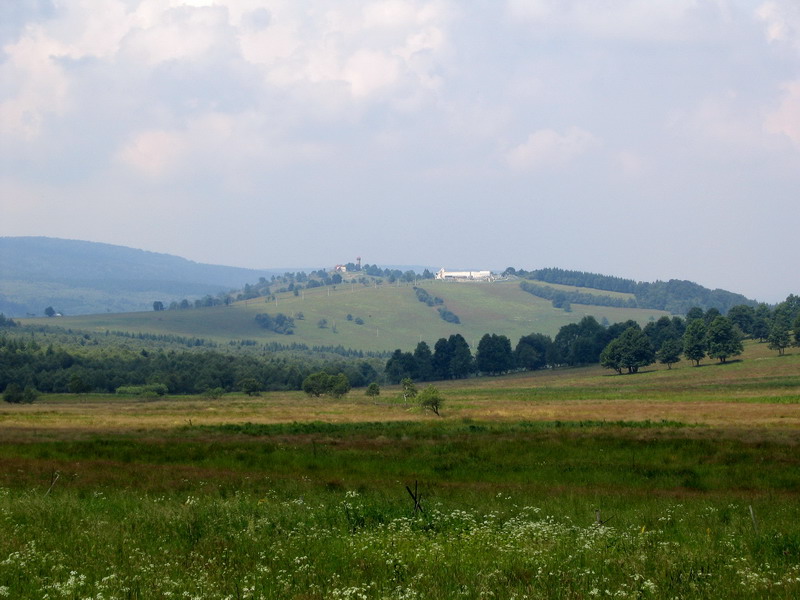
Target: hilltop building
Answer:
pixel 464 275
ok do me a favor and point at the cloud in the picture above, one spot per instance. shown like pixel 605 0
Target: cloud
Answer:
pixel 40 83
pixel 642 20
pixel 781 20
pixel 547 148
pixel 785 120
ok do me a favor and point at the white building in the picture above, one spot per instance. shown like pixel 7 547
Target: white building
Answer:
pixel 464 275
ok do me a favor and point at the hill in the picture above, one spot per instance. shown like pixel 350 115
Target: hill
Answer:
pixel 78 277
pixel 382 317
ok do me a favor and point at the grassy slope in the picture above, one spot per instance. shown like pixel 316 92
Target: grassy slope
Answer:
pixel 393 317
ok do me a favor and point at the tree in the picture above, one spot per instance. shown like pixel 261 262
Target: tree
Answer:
pixel 338 385
pixel 670 352
pixel 373 390
pixel 158 306
pixel 694 313
pixel 442 355
pixel 611 356
pixel 77 385
pixel 531 351
pixel 400 365
pixel 49 311
pixel 778 338
pixel 423 362
pixel 13 393
pixel 631 350
pixel 494 354
pixel 461 363
pixel 796 328
pixel 409 390
pixel 250 386
pixel 316 384
pixel 724 340
pixel 431 399
pixel 694 341
pixel 761 321
pixel 743 316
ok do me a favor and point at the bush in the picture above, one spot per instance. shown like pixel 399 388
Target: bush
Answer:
pixel 151 390
pixel 449 316
pixel 321 383
pixel 431 399
pixel 13 393
pixel 373 389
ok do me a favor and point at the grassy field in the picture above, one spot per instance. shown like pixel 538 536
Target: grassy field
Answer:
pixel 679 483
pixel 392 316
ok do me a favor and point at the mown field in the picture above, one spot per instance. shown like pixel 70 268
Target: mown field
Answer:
pixel 391 314
pixel 679 483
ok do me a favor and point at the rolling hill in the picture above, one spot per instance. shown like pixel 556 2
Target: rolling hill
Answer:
pixel 78 277
pixel 392 316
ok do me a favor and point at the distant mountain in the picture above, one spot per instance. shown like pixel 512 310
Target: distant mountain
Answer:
pixel 78 277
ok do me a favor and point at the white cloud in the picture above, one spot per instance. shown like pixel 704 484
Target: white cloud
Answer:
pixel 785 120
pixel 38 85
pixel 547 147
pixel 153 154
pixel 781 21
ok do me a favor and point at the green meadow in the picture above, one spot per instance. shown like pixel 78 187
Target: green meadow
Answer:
pixel 573 483
pixel 391 314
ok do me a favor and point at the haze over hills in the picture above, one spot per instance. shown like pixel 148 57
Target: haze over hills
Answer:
pixel 82 278
pixel 79 277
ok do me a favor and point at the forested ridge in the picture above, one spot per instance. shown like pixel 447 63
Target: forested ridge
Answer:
pixel 676 296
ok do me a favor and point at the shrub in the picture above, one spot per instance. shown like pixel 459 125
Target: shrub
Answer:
pixel 151 390
pixel 431 399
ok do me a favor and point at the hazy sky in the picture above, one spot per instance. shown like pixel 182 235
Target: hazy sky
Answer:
pixel 650 139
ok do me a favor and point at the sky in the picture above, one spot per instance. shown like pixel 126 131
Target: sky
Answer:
pixel 648 139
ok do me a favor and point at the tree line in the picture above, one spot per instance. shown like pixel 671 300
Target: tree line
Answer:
pixel 623 346
pixel 675 296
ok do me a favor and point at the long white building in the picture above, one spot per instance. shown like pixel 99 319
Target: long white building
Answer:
pixel 464 275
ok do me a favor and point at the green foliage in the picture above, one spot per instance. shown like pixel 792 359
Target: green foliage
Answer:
pixel 280 323
pixel 676 296
pixel 796 328
pixel 448 315
pixel 694 341
pixel 78 385
pixel 778 338
pixel 13 393
pixel 373 390
pixel 670 352
pixel 106 362
pixel 427 298
pixel 6 322
pixel 563 299
pixel 531 351
pixel 338 385
pixel 723 339
pixel 631 350
pixel 494 355
pixel 321 383
pixel 408 389
pixel 431 399
pixel 151 390
pixel 316 384
pixel 250 386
